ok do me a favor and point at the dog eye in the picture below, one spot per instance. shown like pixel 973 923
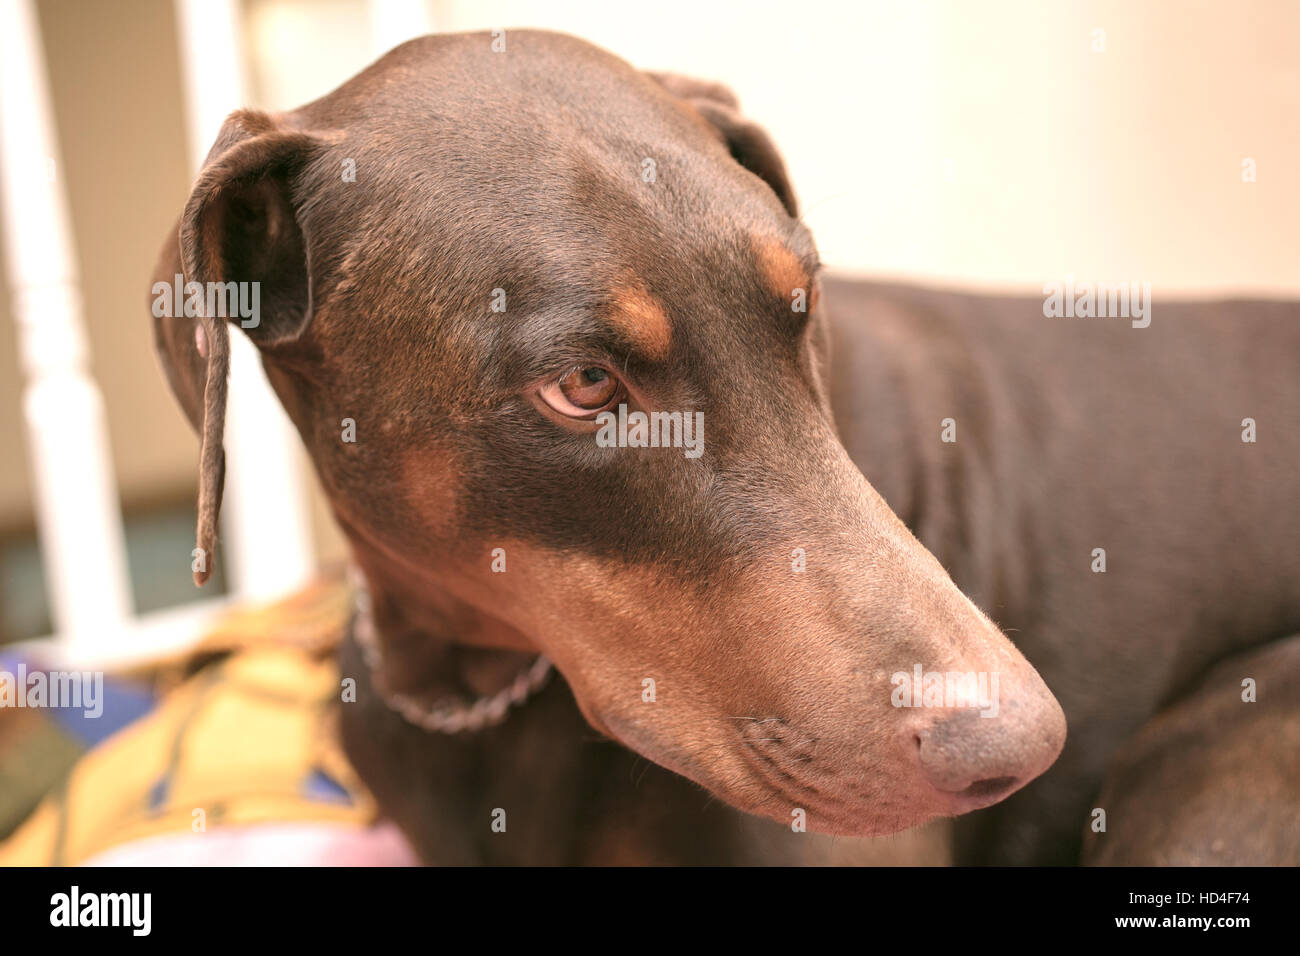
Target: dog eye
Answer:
pixel 582 392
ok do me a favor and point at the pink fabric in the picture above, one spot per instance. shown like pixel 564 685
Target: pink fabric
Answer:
pixel 268 844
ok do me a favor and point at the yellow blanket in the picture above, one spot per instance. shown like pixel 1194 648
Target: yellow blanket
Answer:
pixel 245 732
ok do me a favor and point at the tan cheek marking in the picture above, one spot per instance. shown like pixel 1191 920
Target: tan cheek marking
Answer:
pixel 431 480
pixel 639 315
pixel 781 270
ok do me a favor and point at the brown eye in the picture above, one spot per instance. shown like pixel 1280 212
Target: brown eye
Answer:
pixel 582 392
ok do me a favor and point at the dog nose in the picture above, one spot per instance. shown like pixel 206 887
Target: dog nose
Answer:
pixel 978 756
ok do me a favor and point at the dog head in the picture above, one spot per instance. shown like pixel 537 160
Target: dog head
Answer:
pixel 495 264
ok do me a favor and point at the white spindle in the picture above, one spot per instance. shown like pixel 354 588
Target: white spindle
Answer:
pixel 77 508
pixel 266 533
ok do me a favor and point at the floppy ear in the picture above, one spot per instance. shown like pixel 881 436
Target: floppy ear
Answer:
pixel 241 226
pixel 748 142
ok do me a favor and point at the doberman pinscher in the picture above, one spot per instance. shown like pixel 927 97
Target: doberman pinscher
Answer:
pixel 518 272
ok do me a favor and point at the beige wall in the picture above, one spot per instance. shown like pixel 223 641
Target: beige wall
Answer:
pixel 985 144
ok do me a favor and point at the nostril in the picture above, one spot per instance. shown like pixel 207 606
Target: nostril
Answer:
pixel 989 787
pixel 972 759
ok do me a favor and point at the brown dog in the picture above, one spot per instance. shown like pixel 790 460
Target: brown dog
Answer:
pixel 1171 799
pixel 535 238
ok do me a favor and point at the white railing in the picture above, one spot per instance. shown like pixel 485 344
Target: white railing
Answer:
pixel 82 545
pixel 266 536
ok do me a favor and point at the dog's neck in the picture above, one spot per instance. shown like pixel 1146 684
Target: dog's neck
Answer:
pixel 443 664
pixel 902 381
pixel 452 714
pixel 883 377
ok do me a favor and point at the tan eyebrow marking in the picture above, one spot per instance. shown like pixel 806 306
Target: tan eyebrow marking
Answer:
pixel 780 269
pixel 641 317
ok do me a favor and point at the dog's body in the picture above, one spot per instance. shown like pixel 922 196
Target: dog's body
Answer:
pixel 1071 435
pixel 742 618
pixel 1210 781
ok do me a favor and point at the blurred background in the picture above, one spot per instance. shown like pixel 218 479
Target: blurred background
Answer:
pixel 997 145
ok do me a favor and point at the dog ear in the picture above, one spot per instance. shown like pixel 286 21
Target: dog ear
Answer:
pixel 748 143
pixel 240 225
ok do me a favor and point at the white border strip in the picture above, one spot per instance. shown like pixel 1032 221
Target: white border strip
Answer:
pixel 143 640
